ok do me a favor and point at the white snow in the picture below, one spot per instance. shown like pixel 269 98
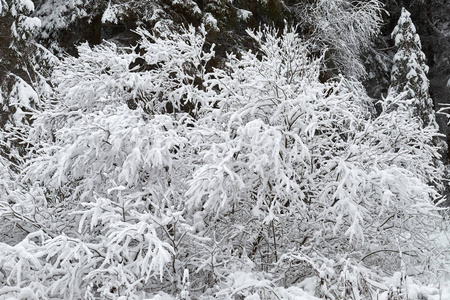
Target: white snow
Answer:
pixel 31 23
pixel 110 15
pixel 209 20
pixel 28 5
pixel 448 83
pixel 244 14
pixel 23 94
pixel 161 296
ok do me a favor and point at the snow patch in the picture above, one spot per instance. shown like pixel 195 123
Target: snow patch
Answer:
pixel 26 5
pixel 110 15
pixel 30 23
pixel 210 21
pixel 22 94
pixel 448 83
pixel 244 14
pixel 161 296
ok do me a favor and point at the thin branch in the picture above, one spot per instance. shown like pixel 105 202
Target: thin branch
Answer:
pixel 386 250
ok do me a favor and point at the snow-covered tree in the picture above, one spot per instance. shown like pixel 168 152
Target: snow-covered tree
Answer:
pixel 22 80
pixel 409 71
pixel 94 20
pixel 16 58
pixel 67 23
pixel 108 172
pixel 345 28
pixel 57 16
pixel 298 174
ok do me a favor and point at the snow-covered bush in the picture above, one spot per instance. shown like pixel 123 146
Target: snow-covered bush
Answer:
pixel 255 181
pixel 168 76
pixel 299 173
pixel 113 175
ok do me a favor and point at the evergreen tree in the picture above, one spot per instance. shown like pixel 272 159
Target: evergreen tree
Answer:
pixel 22 82
pixel 17 70
pixel 409 72
pixel 66 23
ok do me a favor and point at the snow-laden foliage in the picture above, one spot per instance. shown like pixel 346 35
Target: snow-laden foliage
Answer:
pixel 298 169
pixel 98 149
pixel 22 81
pixel 344 27
pixel 57 15
pixel 110 76
pixel 147 11
pixel 409 72
pixel 23 25
pixel 18 27
pixel 151 176
pixel 22 78
pixel 87 17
